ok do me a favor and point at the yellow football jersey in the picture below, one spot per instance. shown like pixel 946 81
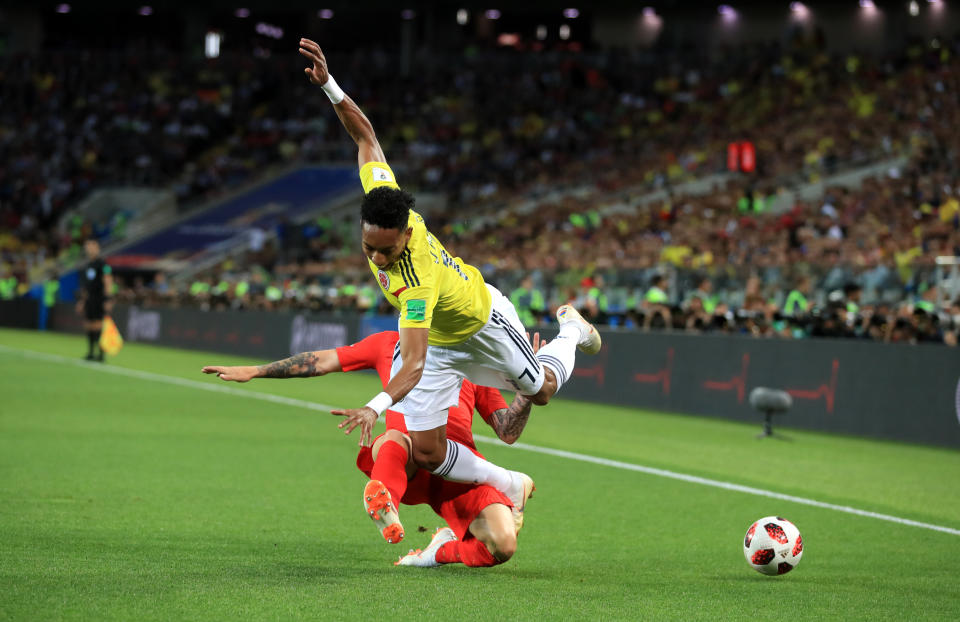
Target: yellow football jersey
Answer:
pixel 430 288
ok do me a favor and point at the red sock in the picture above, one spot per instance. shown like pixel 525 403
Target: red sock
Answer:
pixel 472 553
pixel 391 469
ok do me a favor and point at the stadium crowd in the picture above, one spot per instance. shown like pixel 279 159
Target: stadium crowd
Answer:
pixel 152 117
pixel 550 173
pixel 835 267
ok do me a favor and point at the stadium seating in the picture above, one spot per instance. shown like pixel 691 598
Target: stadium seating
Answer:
pixel 560 179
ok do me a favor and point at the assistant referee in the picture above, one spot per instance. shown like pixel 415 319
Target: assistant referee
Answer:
pixel 97 283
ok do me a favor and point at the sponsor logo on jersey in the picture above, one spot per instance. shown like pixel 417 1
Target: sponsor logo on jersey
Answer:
pixel 416 310
pixel 384 279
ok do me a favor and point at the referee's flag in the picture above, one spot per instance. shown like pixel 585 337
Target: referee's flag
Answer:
pixel 110 339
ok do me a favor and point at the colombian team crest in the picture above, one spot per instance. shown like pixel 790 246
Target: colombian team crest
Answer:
pixel 384 279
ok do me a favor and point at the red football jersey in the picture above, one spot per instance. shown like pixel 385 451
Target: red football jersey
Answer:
pixel 377 352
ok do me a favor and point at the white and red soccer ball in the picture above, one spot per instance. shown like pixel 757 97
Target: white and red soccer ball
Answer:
pixel 773 545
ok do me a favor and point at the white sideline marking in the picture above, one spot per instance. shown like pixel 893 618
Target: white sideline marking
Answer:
pixel 183 382
pixel 693 479
pixel 627 466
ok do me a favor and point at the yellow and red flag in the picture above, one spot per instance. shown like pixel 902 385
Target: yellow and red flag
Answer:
pixel 110 339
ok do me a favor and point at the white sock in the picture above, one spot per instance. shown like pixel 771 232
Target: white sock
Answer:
pixel 462 465
pixel 561 353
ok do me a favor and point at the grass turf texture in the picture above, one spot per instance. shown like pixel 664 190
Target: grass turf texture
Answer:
pixel 122 498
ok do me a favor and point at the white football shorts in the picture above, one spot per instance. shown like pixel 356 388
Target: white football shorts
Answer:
pixel 498 355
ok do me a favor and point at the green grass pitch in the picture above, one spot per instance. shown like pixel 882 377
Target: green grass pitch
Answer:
pixel 124 498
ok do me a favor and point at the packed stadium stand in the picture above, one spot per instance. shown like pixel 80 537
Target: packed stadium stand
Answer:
pixel 579 183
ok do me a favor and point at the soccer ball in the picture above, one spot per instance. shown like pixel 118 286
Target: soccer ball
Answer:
pixel 773 545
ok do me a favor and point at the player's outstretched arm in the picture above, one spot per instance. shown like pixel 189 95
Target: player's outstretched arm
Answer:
pixel 353 119
pixel 413 353
pixel 303 365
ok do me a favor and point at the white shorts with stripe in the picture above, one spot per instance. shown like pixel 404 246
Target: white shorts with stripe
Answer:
pixel 498 355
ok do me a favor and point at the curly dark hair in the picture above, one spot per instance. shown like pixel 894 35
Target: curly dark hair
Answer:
pixel 387 208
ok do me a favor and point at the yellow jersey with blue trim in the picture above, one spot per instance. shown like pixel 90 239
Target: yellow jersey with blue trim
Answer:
pixel 430 288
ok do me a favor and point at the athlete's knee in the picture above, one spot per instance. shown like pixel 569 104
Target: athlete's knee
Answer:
pixel 547 389
pixel 399 438
pixel 396 436
pixel 540 398
pixel 503 545
pixel 494 527
pixel 500 539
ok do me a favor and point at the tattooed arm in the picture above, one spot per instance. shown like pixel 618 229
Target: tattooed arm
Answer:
pixel 303 365
pixel 509 422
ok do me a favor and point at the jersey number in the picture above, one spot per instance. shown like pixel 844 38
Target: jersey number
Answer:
pixel 445 258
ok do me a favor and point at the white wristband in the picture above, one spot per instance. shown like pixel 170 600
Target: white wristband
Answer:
pixel 380 403
pixel 333 90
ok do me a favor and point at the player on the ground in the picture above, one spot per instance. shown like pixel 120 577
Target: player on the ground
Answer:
pixel 483 526
pixel 97 282
pixel 452 324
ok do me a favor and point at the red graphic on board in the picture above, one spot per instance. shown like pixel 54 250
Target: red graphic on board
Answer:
pixel 210 335
pixel 255 339
pixel 737 383
pixel 231 337
pixel 827 391
pixel 596 371
pixel 661 377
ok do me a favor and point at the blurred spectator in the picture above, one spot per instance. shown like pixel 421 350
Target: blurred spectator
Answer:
pixel 550 179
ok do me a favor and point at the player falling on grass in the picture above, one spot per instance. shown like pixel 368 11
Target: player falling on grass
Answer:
pixel 452 325
pixel 97 282
pixel 481 528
